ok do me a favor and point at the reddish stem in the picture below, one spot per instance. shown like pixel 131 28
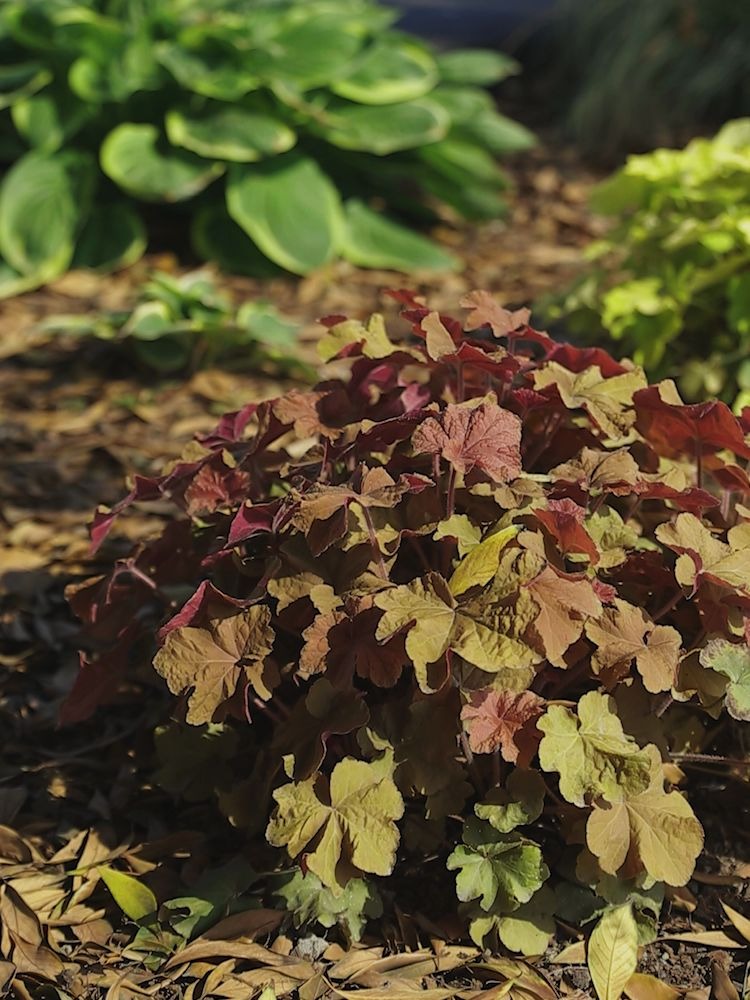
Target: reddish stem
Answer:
pixel 450 497
pixel 374 543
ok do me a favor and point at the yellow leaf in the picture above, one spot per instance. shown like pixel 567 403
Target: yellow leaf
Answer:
pixel 740 923
pixel 573 954
pixel 133 897
pixel 643 987
pixel 613 952
pixel 482 562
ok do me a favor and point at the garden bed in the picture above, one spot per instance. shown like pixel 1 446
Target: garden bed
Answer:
pixel 75 424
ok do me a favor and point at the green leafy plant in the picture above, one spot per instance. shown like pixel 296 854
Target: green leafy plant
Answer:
pixel 475 596
pixel 277 122
pixel 628 75
pixel 185 321
pixel 671 279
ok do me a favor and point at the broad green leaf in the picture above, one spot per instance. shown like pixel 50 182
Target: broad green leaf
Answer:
pixel 373 240
pixel 500 870
pixel 314 51
pixel 114 236
pixel 497 133
pixel 390 71
pixel 351 821
pixel 21 80
pixel 482 67
pixel 655 832
pixel 212 71
pixel 133 897
pixel 732 659
pixel 223 132
pixel 262 323
pixel 290 209
pixel 519 802
pixel 139 160
pixel 481 564
pixel 48 120
pixel 591 753
pixel 12 283
pixel 43 201
pixel 309 900
pixel 612 953
pixel 216 236
pixel 386 128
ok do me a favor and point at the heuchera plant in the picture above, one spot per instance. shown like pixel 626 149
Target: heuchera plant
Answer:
pixel 467 599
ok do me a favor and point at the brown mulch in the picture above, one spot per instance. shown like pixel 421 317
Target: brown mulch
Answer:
pixel 75 421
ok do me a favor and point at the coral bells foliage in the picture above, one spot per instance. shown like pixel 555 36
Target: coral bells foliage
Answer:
pixel 466 598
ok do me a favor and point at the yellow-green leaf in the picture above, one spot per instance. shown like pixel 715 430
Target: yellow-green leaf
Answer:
pixel 612 953
pixel 480 565
pixel 591 753
pixel 133 897
pixel 351 821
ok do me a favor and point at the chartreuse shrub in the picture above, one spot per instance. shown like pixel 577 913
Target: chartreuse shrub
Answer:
pixel 457 610
pixel 275 122
pixel 671 279
pixel 185 321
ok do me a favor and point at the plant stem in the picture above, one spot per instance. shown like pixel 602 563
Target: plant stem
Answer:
pixel 382 571
pixel 450 497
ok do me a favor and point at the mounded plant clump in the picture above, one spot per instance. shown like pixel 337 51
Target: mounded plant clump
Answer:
pixel 670 281
pixel 278 121
pixel 461 603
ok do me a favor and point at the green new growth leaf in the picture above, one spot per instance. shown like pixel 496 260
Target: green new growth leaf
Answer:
pixel 437 624
pixel 133 897
pixel 519 802
pixel 591 753
pixel 308 900
pixel 500 870
pixel 733 660
pixel 481 564
pixel 526 930
pixel 342 826
pixel 612 952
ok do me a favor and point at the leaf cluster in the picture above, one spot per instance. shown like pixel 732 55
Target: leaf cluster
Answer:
pixel 275 121
pixel 465 600
pixel 670 280
pixel 184 322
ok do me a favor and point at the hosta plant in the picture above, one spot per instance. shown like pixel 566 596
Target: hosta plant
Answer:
pixel 670 280
pixel 457 614
pixel 184 321
pixel 289 130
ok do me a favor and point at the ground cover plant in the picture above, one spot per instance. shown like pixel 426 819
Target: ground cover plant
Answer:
pixel 274 123
pixel 670 281
pixel 457 613
pixel 183 322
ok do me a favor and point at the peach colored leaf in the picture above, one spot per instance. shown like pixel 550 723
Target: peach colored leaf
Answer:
pixel 486 311
pixel 701 555
pixel 564 605
pixel 485 437
pixel 438 340
pixel 625 634
pixel 502 720
pixel 213 663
